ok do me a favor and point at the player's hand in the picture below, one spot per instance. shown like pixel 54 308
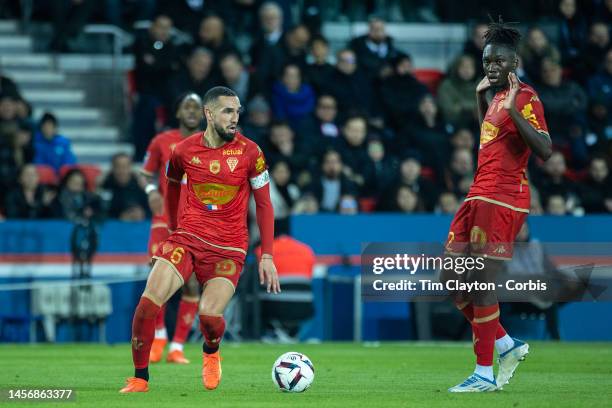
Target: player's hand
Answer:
pixel 156 202
pixel 483 85
pixel 509 102
pixel 268 275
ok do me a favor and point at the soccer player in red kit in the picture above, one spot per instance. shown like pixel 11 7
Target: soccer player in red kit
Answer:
pixel 210 239
pixel 188 111
pixel 512 126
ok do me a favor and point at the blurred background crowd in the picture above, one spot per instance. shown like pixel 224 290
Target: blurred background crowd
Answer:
pixel 351 129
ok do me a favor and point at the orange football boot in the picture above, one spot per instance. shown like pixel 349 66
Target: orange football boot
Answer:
pixel 134 384
pixel 211 370
pixel 157 350
pixel 177 357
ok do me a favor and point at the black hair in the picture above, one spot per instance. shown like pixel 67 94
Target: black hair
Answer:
pixel 502 33
pixel 48 117
pixel 180 99
pixel 214 93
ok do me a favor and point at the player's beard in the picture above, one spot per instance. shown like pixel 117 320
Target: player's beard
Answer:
pixel 226 136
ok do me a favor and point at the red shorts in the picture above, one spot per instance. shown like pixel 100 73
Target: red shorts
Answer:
pixel 187 253
pixel 484 229
pixel 159 233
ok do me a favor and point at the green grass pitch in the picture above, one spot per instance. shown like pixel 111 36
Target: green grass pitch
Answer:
pixel 346 375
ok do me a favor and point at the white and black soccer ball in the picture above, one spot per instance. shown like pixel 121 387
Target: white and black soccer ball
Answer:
pixel 293 372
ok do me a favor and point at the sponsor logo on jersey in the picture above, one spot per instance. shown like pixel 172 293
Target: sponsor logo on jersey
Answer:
pixel 215 166
pixel 232 162
pixel 478 238
pixel 215 194
pixel 232 152
pixel 195 160
pixel 530 116
pixel 488 132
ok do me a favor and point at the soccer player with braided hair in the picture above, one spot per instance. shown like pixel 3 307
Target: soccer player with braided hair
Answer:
pixel 512 126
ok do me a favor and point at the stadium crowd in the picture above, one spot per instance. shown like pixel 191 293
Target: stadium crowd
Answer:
pixel 352 131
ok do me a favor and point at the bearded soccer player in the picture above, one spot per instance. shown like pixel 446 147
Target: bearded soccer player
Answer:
pixel 512 126
pixel 188 111
pixel 222 167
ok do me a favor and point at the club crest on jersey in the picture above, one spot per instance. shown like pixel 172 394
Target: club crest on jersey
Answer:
pixel 215 166
pixel 195 160
pixel 232 162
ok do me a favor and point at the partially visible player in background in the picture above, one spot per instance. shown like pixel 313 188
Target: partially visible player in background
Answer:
pixel 188 111
pixel 512 126
pixel 223 168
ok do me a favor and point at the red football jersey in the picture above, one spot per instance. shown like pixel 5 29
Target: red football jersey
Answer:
pixel 501 176
pixel 219 183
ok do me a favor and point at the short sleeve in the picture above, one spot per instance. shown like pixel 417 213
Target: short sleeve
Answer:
pixel 531 108
pixel 152 158
pixel 258 171
pixel 174 167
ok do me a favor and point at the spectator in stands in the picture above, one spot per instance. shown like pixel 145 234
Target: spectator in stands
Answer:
pixel 332 183
pixel 51 148
pixel 321 127
pixel 594 52
pixel 572 32
pixel 475 45
pixel 292 99
pixel 596 191
pixel 8 118
pixel 16 150
pixel 74 202
pixel 293 49
pixel 213 36
pixel 29 200
pixel 23 111
pixel 319 70
pixel 116 11
pixel 535 49
pixel 69 18
pixel 600 84
pixel 270 32
pixel 237 77
pixel 198 76
pixel 463 138
pixel 186 14
pixel 375 50
pixel 348 205
pixel 124 193
pixel 447 203
pixel 409 175
pixel 554 181
pixel 306 204
pixel 382 168
pixel 460 174
pixel 455 94
pixel 258 118
pixel 405 201
pixel 156 60
pixel 8 87
pixel 566 104
pixel 353 149
pixel 401 92
pixel 349 85
pixel 428 134
pixel 556 205
pixel 284 146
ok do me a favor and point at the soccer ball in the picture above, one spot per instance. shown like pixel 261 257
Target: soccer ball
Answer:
pixel 293 372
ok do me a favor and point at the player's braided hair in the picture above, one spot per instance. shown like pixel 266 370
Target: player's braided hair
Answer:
pixel 502 33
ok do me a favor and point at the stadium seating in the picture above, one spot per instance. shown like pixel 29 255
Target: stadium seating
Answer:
pixel 46 175
pixel 91 172
pixel 430 77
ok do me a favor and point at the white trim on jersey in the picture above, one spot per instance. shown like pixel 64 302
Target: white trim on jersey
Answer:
pixel 260 181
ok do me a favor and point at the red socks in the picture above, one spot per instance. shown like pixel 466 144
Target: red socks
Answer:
pixel 212 327
pixel 468 311
pixel 184 320
pixel 160 320
pixel 485 323
pixel 143 331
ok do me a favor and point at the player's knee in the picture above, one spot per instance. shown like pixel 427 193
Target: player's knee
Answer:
pixel 212 326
